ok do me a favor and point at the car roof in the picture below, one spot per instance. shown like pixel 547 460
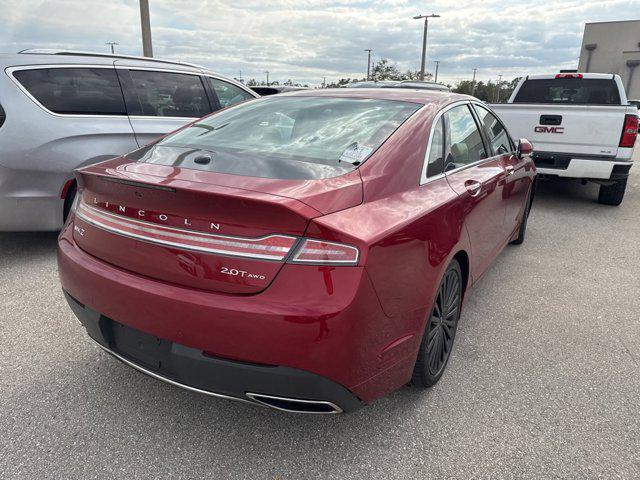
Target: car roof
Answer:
pixel 548 76
pixel 414 95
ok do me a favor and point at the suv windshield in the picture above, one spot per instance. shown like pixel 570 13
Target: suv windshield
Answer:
pixel 577 91
pixel 285 137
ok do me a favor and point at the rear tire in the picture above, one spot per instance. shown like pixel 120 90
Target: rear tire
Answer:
pixel 612 194
pixel 68 201
pixel 440 331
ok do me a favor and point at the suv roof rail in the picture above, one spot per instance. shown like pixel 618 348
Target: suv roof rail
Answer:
pixel 53 51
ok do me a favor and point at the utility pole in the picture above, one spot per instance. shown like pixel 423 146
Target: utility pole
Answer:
pixel 111 44
pixel 473 83
pixel 267 72
pixel 145 23
pixel 324 82
pixel 437 63
pixel 240 78
pixel 424 40
pixel 368 50
pixel 498 88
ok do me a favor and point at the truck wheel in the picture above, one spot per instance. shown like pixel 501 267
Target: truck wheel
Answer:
pixel 612 194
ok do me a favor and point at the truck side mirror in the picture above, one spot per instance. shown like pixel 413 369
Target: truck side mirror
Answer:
pixel 524 148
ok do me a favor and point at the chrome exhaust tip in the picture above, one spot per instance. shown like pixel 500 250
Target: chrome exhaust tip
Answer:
pixel 295 405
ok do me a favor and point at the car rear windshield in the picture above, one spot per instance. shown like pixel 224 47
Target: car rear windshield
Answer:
pixel 576 91
pixel 287 137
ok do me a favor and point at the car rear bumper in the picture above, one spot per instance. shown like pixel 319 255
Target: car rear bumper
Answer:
pixel 565 166
pixel 274 386
pixel 323 327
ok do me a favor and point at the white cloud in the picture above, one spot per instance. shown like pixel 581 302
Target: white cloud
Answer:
pixel 306 40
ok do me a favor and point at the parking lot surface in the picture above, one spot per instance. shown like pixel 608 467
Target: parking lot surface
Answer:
pixel 544 380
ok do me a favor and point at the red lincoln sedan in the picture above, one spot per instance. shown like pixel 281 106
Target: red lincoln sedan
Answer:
pixel 309 251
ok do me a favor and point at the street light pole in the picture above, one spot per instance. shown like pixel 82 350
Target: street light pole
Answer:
pixel 424 40
pixel 473 83
pixel 368 50
pixel 145 23
pixel 437 62
pixel 111 44
pixel 267 72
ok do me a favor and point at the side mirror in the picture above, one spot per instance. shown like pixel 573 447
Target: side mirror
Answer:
pixel 524 148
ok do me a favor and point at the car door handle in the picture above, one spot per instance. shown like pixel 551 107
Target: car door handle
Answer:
pixel 510 169
pixel 473 187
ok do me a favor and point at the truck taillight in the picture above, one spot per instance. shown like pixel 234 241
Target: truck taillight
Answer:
pixel 629 131
pixel 319 252
pixel 569 75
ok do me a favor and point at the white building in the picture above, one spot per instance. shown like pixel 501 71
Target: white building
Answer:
pixel 613 47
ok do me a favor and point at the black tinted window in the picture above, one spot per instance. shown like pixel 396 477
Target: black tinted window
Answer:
pixel 86 91
pixel 463 144
pixel 497 134
pixel 577 91
pixel 163 94
pixel 228 94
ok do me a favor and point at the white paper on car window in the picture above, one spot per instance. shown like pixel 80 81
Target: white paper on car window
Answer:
pixel 355 153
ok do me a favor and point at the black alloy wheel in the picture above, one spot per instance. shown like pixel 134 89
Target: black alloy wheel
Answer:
pixel 440 330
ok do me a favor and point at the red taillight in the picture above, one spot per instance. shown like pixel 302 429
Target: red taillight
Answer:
pixel 272 247
pixel 629 131
pixel 569 75
pixel 319 252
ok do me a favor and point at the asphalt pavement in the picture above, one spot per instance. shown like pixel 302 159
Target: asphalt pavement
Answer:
pixel 544 381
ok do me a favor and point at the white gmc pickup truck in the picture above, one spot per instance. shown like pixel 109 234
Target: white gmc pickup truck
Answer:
pixel 581 126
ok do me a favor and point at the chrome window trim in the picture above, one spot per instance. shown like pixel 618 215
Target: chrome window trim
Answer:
pixel 423 177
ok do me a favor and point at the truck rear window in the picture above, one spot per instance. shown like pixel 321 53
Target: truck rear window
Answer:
pixel 574 91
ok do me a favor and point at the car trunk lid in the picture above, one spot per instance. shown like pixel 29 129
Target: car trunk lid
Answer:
pixel 217 232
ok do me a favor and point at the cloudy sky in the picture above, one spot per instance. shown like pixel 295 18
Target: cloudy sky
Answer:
pixel 306 40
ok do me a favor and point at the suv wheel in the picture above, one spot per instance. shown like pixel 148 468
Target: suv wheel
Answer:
pixel 440 331
pixel 612 194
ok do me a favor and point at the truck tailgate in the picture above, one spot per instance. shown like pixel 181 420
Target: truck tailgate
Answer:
pixel 575 129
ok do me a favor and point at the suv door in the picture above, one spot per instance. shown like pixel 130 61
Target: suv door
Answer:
pixel 517 181
pixel 477 179
pixel 160 101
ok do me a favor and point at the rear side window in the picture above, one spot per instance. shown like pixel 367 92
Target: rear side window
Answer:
pixel 435 161
pixel 79 91
pixel 576 91
pixel 228 94
pixel 164 94
pixel 463 144
pixel 498 136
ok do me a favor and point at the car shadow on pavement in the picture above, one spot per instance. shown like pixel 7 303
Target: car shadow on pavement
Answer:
pixel 571 190
pixel 15 246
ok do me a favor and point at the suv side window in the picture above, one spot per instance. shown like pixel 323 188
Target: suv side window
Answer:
pixel 435 160
pixel 498 136
pixel 165 94
pixel 75 91
pixel 463 143
pixel 228 94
